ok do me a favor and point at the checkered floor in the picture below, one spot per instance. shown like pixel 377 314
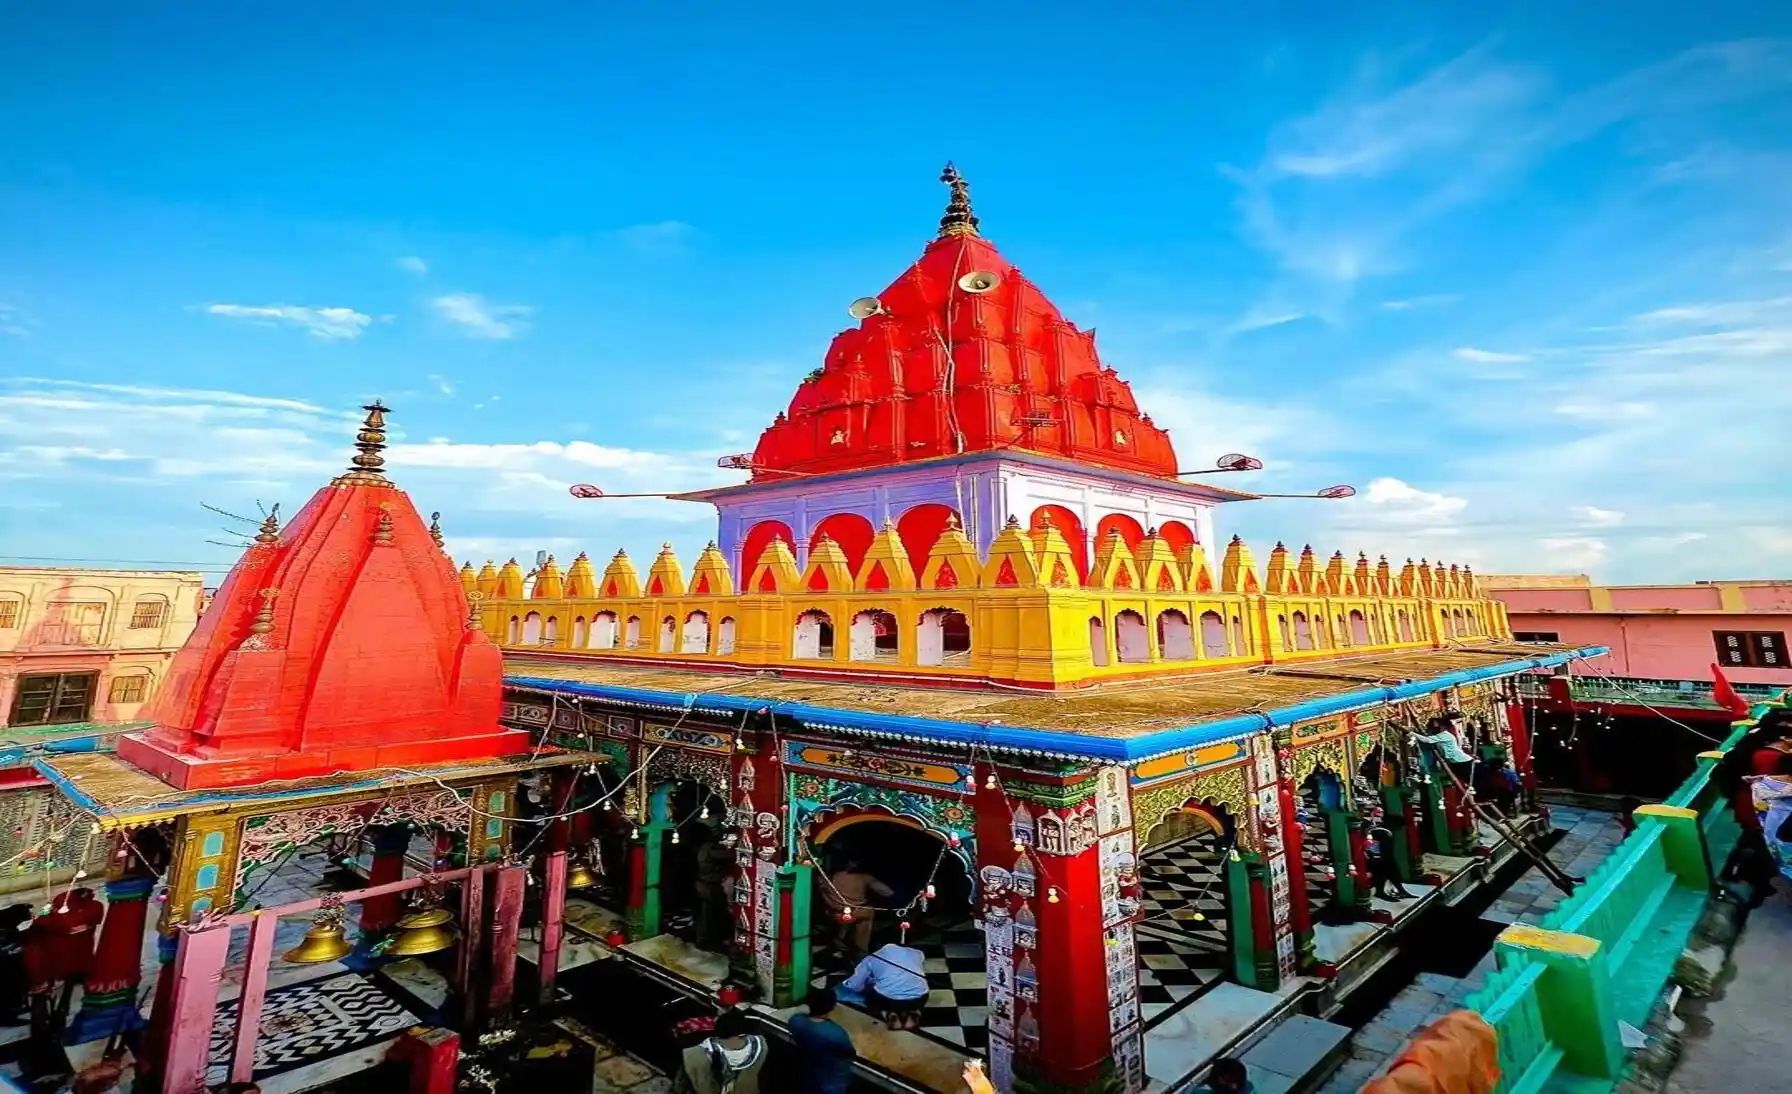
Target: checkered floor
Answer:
pixel 1171 973
pixel 957 1010
pixel 304 1023
pixel 1184 890
pixel 1316 849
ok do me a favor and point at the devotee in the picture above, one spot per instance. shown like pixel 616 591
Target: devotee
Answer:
pixel 1754 755
pixel 824 1050
pixel 893 984
pixel 1226 1076
pixel 715 865
pixel 728 1061
pixel 59 946
pixel 1384 882
pixel 850 892
pixel 1440 737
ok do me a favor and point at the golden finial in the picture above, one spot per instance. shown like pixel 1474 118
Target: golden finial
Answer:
pixel 382 532
pixel 473 621
pixel 264 621
pixel 270 527
pixel 959 220
pixel 435 528
pixel 1012 522
pixel 952 523
pixel 368 466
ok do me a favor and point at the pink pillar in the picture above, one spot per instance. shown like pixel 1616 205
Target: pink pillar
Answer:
pixel 507 916
pixel 255 992
pixel 198 972
pixel 553 926
pixel 472 925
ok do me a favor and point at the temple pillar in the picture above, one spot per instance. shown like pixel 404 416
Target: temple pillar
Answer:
pixel 109 998
pixel 1300 909
pixel 196 978
pixel 1398 813
pixel 390 844
pixel 645 864
pixel 1518 729
pixel 1436 822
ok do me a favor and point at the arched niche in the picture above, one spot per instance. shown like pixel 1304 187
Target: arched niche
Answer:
pixel 1131 532
pixel 1213 636
pixel 813 637
pixel 1132 643
pixel 604 631
pixel 851 532
pixel 759 537
pixel 919 529
pixel 532 629
pixel 874 637
pixel 943 637
pixel 1175 637
pixel 1070 526
pixel 695 637
pixel 1098 642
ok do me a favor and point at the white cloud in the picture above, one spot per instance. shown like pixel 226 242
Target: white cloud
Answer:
pixel 1592 514
pixel 1488 357
pixel 330 324
pixel 1399 502
pixel 12 321
pixel 1261 318
pixel 1434 300
pixel 1573 553
pixel 413 264
pixel 443 384
pixel 477 318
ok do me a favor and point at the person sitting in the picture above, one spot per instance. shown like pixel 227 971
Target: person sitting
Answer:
pixel 728 1061
pixel 1226 1076
pixel 893 984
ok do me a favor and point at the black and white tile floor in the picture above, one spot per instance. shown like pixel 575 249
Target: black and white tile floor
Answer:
pixel 1184 889
pixel 305 1023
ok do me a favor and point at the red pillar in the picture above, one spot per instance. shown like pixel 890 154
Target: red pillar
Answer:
pixel 507 916
pixel 389 846
pixel 553 926
pixel 109 1000
pixel 1300 910
pixel 1518 729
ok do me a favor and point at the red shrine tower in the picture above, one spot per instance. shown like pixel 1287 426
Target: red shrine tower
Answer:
pixel 342 642
pixel 961 394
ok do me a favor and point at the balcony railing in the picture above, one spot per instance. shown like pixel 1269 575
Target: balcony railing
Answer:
pixel 1634 691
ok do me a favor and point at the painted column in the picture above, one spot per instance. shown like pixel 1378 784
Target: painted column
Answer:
pixel 1063 977
pixel 1356 837
pixel 1261 830
pixel 1300 910
pixel 1518 728
pixel 196 978
pixel 109 999
pixel 389 846
pixel 1399 813
pixel 645 859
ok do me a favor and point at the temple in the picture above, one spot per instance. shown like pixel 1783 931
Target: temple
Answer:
pixel 965 628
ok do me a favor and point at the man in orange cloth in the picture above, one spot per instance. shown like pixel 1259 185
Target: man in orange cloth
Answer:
pixel 1457 1054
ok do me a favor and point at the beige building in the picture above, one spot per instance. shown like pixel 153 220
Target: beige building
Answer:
pixel 88 645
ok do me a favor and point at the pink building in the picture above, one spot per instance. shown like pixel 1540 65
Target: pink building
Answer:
pixel 1663 638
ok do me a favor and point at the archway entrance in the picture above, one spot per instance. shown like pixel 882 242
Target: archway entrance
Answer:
pixel 1185 936
pixel 1321 797
pixel 910 862
pixel 696 865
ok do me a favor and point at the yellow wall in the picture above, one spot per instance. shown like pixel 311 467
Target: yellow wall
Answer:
pixel 31 644
pixel 1027 633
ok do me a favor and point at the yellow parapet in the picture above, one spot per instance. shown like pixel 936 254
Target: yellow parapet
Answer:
pixel 1022 615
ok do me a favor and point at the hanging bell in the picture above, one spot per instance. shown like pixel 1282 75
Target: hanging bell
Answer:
pixel 580 876
pixel 428 931
pixel 324 942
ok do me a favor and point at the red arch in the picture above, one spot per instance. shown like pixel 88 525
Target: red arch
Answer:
pixel 1071 528
pixel 1129 530
pixel 1178 536
pixel 920 529
pixel 852 532
pixel 759 537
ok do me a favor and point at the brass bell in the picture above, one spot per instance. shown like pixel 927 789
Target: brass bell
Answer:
pixel 430 930
pixel 580 876
pixel 324 942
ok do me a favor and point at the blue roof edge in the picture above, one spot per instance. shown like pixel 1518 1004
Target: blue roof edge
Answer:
pixel 1047 742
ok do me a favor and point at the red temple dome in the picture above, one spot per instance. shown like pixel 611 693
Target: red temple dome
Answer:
pixel 340 643
pixel 961 354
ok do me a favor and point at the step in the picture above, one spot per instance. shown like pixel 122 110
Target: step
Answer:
pixel 1296 1056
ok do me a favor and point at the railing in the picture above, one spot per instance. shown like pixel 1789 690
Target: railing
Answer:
pixel 1589 942
pixel 1621 690
pixel 1509 1003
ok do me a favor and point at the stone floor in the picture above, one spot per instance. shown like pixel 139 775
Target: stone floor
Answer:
pixel 616 1071
pixel 1588 836
pixel 1737 1041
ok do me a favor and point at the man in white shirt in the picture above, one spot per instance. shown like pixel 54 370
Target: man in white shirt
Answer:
pixel 893 983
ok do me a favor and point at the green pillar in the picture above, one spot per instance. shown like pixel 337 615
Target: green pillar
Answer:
pixel 1337 846
pixel 1239 920
pixel 1397 805
pixel 1682 843
pixel 1574 996
pixel 791 929
pixel 1437 815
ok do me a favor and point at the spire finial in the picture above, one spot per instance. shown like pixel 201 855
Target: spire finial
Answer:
pixel 959 220
pixel 368 466
pixel 382 529
pixel 435 528
pixel 270 527
pixel 473 620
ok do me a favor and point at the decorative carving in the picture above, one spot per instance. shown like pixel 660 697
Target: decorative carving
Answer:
pixel 1327 754
pixel 1051 794
pixel 265 839
pixel 1225 787
pixel 709 769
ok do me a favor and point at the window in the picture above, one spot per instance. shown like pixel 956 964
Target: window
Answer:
pixel 1536 636
pixel 9 614
pixel 1751 649
pixel 128 689
pixel 72 624
pixel 147 614
pixel 53 699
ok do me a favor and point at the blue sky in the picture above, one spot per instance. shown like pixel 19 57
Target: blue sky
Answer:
pixel 1522 273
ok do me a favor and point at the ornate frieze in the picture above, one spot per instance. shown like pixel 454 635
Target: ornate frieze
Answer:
pixel 707 740
pixel 1226 787
pixel 1168 768
pixel 268 838
pixel 933 778
pixel 1061 796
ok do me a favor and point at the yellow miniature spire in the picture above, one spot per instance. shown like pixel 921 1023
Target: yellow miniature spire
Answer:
pixel 581 579
pixel 550 583
pixel 510 581
pixel 488 580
